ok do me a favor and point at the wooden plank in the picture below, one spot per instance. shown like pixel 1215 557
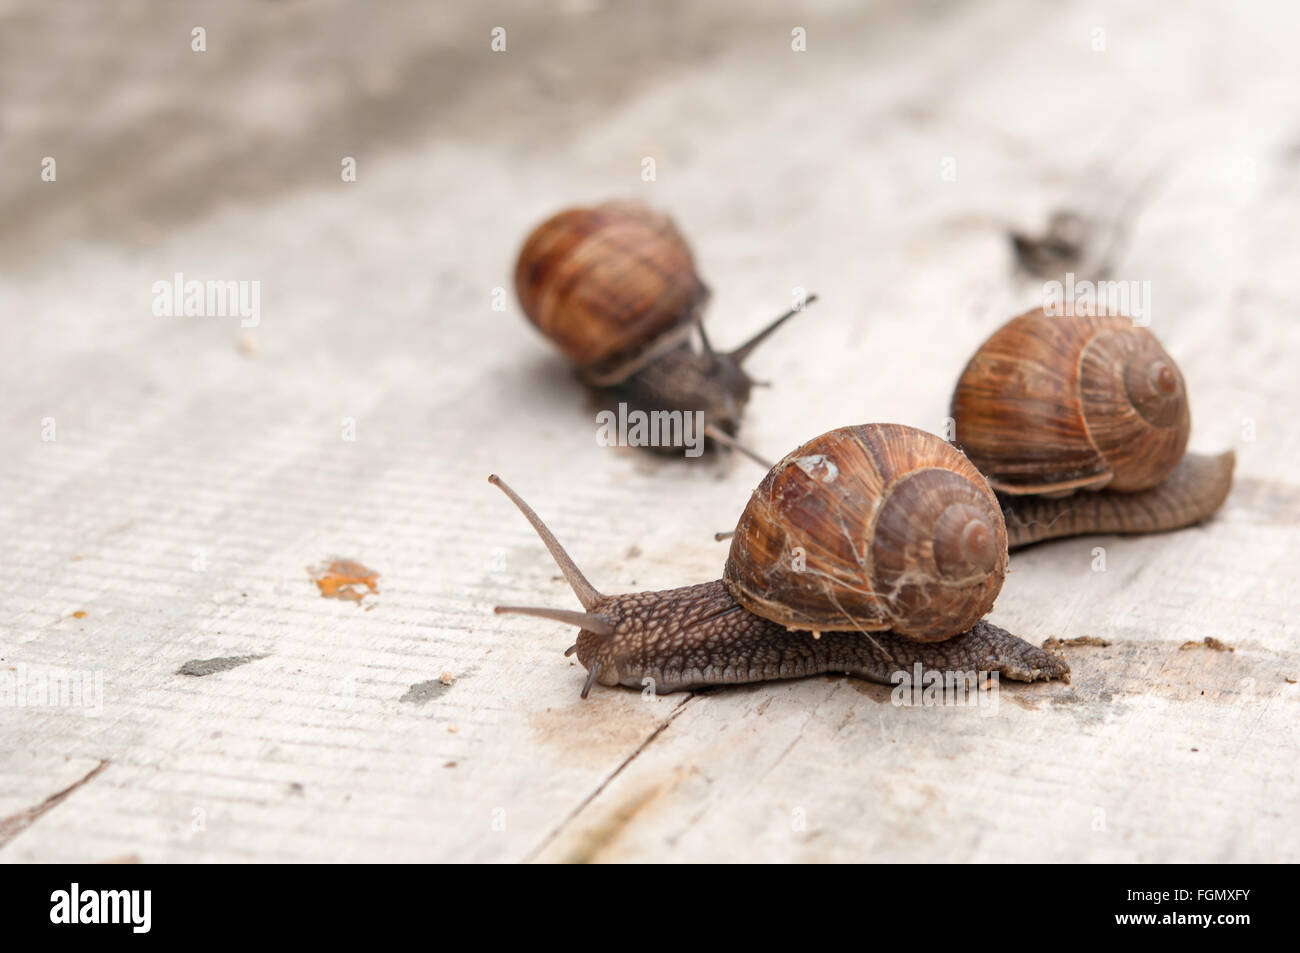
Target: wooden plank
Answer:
pixel 197 468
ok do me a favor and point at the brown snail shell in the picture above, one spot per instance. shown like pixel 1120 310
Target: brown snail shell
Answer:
pixel 867 528
pixel 1050 405
pixel 608 283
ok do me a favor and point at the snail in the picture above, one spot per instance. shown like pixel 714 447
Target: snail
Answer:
pixel 614 288
pixel 867 551
pixel 1063 247
pixel 1050 408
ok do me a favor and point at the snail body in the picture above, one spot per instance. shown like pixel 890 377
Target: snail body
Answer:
pixel 1191 494
pixel 614 288
pixel 887 549
pixel 1081 424
pixel 698 636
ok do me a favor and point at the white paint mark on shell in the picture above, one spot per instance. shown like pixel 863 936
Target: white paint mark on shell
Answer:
pixel 818 467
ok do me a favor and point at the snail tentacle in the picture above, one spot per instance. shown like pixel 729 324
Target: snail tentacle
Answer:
pixel 586 620
pixel 587 594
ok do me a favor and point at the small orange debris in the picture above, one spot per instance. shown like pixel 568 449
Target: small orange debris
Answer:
pixel 79 614
pixel 345 579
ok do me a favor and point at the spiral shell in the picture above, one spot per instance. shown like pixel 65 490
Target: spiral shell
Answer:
pixel 1056 404
pixel 868 528
pixel 606 282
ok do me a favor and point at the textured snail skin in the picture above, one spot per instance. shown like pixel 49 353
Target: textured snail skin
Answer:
pixel 682 379
pixel 698 636
pixel 1191 494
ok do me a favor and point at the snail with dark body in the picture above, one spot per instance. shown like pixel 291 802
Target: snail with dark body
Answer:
pixel 1080 424
pixel 867 551
pixel 614 288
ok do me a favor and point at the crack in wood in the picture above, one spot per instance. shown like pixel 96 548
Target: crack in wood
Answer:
pixel 573 815
pixel 16 823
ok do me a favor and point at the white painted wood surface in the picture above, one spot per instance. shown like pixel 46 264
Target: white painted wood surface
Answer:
pixel 198 468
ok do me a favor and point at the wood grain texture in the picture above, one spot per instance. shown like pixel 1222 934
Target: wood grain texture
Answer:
pixel 172 478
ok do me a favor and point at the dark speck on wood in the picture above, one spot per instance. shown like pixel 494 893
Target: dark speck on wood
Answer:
pixel 421 692
pixel 198 667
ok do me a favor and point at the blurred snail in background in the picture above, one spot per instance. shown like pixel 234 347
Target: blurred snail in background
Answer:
pixel 1080 424
pixel 614 288
pixel 867 551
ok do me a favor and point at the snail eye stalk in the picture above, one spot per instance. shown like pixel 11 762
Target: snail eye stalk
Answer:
pixel 587 594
